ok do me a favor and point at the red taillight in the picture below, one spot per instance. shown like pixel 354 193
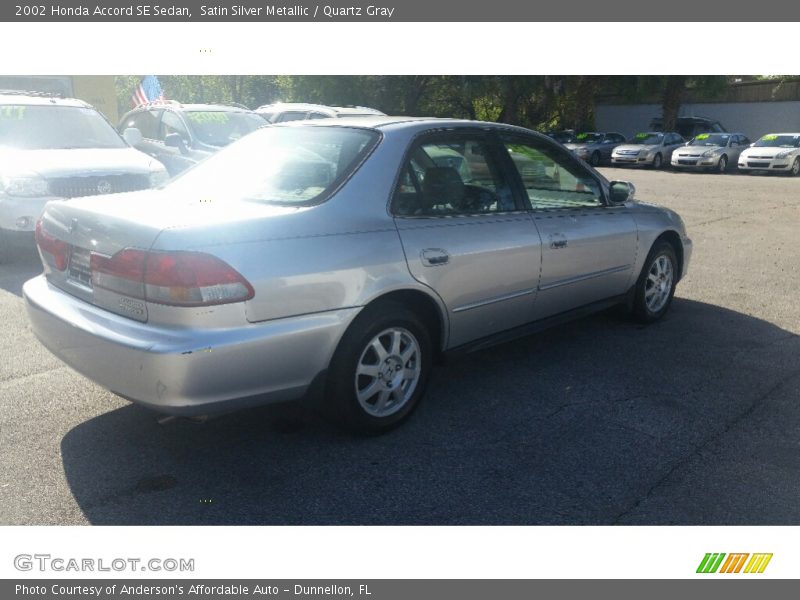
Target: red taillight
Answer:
pixel 54 247
pixel 173 278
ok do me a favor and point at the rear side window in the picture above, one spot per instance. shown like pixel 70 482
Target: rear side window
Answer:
pixel 451 176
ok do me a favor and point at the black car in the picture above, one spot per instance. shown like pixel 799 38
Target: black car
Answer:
pixel 689 127
pixel 181 135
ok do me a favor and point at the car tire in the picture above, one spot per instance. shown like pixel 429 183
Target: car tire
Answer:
pixel 795 170
pixel 379 370
pixel 658 161
pixel 722 166
pixel 656 284
pixel 594 159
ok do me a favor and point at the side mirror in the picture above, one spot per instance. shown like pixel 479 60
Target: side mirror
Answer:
pixel 621 192
pixel 174 140
pixel 132 136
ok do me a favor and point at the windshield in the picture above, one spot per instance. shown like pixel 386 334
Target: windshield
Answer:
pixel 280 165
pixel 779 141
pixel 26 127
pixel 562 137
pixel 588 138
pixel 220 128
pixel 647 139
pixel 710 139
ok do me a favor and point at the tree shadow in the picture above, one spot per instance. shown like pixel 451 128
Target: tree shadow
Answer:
pixel 589 423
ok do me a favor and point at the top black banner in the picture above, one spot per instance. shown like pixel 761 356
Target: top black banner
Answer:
pixel 399 11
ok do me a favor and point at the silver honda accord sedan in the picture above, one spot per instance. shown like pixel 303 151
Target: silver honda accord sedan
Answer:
pixel 338 259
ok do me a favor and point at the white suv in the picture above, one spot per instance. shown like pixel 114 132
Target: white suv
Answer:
pixel 54 148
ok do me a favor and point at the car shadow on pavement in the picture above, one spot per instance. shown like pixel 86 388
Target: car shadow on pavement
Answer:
pixel 24 265
pixel 601 421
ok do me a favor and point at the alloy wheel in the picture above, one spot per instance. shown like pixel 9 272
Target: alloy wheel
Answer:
pixel 388 372
pixel 658 285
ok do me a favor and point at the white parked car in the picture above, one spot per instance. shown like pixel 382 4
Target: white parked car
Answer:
pixel 777 152
pixel 56 148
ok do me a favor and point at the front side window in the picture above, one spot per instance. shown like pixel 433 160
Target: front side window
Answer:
pixel 34 127
pixel 146 121
pixel 279 165
pixel 171 123
pixel 451 176
pixel 552 180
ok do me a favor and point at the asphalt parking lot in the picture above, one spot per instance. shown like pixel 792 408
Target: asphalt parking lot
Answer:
pixel 693 420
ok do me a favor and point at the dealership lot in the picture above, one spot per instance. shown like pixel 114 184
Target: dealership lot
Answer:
pixel 692 420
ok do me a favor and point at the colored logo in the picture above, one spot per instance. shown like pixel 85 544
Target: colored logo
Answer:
pixel 719 562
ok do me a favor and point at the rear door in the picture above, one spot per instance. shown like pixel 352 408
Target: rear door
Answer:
pixel 588 246
pixel 465 236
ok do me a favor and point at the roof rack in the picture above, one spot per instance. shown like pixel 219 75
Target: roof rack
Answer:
pixel 31 93
pixel 158 103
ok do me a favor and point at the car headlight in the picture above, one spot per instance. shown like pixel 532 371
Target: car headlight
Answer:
pixel 24 186
pixel 783 154
pixel 709 153
pixel 158 178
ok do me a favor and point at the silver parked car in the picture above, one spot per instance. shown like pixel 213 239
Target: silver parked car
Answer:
pixel 283 112
pixel 711 152
pixel 651 149
pixel 595 147
pixel 59 148
pixel 338 258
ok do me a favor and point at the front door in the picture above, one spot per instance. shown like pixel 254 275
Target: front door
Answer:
pixel 588 246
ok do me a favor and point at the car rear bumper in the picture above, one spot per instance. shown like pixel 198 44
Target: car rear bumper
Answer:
pixel 185 371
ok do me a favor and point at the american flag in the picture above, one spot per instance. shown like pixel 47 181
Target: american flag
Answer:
pixel 149 90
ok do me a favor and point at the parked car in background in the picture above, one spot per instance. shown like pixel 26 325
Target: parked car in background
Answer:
pixel 55 148
pixel 595 147
pixel 281 112
pixel 711 152
pixel 181 135
pixel 651 149
pixel 775 153
pixel 277 281
pixel 565 136
pixel 688 127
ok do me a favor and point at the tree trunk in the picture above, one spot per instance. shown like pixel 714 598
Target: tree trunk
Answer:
pixel 585 89
pixel 674 87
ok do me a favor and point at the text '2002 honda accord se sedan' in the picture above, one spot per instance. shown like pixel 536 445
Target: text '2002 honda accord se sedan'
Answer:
pixel 337 260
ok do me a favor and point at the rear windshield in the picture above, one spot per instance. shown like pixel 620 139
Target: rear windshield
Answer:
pixel 280 165
pixel 28 127
pixel 779 141
pixel 220 128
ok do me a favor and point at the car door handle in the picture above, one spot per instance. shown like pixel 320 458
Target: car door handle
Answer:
pixel 558 240
pixel 434 257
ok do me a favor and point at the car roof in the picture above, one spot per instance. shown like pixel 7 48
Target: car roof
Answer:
pixel 331 110
pixel 171 104
pixel 35 99
pixel 395 123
